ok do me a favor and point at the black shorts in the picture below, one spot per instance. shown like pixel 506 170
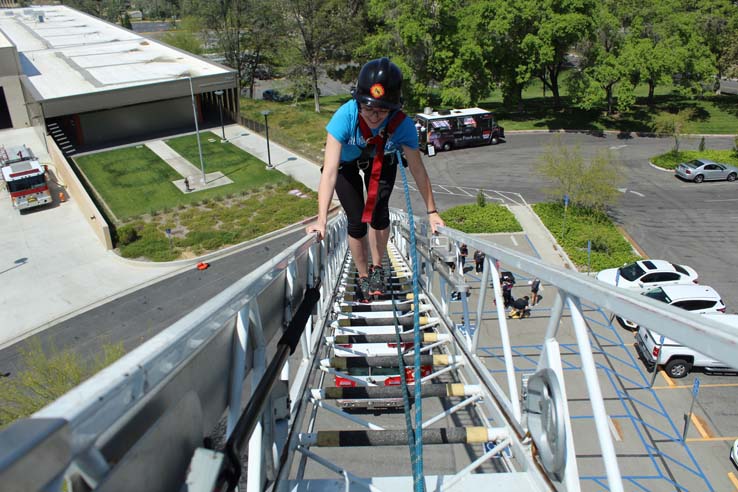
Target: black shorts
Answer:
pixel 350 187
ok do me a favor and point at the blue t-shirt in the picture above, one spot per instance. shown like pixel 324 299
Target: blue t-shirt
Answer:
pixel 344 126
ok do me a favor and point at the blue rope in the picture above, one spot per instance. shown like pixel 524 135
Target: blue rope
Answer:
pixel 403 379
pixel 418 480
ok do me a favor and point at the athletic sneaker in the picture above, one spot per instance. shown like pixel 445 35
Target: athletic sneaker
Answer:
pixel 376 280
pixel 363 292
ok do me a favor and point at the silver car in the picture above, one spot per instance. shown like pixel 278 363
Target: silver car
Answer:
pixel 699 170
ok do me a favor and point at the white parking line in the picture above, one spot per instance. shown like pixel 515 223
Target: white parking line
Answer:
pixel 636 193
pixel 724 200
pixel 515 242
pixel 445 189
pixel 466 192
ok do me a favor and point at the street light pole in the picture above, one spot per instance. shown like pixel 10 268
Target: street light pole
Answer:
pixel 197 130
pixel 266 124
pixel 220 110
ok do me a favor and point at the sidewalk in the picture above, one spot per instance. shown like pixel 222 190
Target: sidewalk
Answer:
pixel 283 160
pixel 542 240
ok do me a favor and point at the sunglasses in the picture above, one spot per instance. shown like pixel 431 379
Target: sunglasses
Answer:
pixel 377 113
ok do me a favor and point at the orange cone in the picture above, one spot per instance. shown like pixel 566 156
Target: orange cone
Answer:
pixel 202 265
pixel 62 197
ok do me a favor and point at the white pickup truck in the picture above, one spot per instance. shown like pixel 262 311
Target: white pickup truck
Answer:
pixel 678 359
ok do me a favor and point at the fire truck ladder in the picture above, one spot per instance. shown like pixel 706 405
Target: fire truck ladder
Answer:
pixel 284 382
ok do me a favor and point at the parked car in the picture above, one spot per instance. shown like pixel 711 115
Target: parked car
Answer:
pixel 734 453
pixel 699 299
pixel 677 359
pixel 275 95
pixel 699 170
pixel 646 274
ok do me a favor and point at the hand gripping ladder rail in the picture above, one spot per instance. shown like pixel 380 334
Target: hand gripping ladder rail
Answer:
pixel 284 382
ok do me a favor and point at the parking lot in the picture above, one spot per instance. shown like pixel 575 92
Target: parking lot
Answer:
pixel 646 421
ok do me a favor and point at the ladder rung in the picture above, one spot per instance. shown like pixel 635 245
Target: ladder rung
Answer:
pixel 342 363
pixel 429 390
pixel 450 435
pixel 388 338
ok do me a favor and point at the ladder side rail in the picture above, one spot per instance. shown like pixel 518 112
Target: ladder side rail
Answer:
pixel 98 410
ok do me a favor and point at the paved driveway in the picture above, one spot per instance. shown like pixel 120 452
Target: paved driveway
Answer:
pixel 668 218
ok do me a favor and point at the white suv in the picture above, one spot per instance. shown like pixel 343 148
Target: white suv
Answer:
pixel 699 299
pixel 645 274
pixel 678 359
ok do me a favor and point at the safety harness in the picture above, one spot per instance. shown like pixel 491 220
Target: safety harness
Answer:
pixel 378 143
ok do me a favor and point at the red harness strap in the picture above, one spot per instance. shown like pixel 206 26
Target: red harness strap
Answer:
pixel 379 140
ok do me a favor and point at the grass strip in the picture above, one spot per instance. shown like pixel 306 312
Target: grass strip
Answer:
pixel 608 247
pixel 474 219
pixel 671 160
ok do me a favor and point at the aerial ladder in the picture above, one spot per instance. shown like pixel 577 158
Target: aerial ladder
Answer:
pixel 284 382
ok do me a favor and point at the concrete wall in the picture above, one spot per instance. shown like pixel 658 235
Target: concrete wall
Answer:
pixel 74 188
pixel 16 103
pixel 137 121
pixel 9 64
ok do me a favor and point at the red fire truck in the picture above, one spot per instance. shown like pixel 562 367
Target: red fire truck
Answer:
pixel 26 183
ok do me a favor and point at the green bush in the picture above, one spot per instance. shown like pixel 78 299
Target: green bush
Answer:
pixel 47 375
pixel 127 234
pixel 481 200
pixel 609 247
pixel 474 219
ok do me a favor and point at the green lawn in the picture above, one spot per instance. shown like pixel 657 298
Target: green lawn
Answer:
pixel 296 125
pixel 134 181
pixel 137 187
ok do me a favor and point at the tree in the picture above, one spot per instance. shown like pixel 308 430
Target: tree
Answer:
pixel 184 37
pixel 718 23
pixel 242 30
pixel 592 184
pixel 674 124
pixel 419 37
pixel 126 21
pixel 105 9
pixel 47 376
pixel 558 27
pixel 491 53
pixel 324 33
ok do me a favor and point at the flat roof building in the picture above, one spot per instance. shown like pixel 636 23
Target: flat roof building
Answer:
pixel 97 83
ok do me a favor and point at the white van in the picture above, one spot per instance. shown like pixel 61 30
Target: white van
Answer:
pixel 678 359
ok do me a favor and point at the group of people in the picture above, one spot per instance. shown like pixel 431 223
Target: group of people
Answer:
pixel 519 308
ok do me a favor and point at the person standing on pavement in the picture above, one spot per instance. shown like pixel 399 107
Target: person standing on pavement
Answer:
pixel 507 296
pixel 463 253
pixel 535 286
pixel 370 136
pixel 479 261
